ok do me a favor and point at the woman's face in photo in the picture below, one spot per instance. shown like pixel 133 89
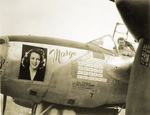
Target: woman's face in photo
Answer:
pixel 34 60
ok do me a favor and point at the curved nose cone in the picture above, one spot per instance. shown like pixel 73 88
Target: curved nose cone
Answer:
pixel 136 15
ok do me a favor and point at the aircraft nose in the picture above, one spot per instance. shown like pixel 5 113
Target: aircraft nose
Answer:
pixel 135 14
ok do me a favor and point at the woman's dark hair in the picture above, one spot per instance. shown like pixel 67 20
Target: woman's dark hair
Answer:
pixel 26 58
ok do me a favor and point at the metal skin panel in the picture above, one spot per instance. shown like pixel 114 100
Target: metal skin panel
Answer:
pixel 73 76
pixel 20 88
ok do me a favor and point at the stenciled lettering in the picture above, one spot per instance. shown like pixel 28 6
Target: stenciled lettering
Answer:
pixel 83 85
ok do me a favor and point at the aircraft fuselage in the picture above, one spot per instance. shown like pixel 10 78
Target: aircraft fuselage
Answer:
pixel 73 76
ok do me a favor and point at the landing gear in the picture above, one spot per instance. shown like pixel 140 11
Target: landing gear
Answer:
pixel 45 109
pixel 42 109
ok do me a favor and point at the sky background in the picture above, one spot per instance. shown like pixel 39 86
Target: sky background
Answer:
pixel 79 20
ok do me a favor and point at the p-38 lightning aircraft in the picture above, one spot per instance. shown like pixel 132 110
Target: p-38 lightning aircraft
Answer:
pixel 45 73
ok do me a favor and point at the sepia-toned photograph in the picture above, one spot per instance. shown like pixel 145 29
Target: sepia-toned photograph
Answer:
pixel 75 57
pixel 32 66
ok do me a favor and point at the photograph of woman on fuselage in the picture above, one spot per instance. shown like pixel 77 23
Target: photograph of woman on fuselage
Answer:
pixel 33 63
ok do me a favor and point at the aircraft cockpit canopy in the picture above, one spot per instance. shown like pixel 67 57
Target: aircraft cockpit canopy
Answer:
pixel 121 42
pixel 119 45
pixel 104 42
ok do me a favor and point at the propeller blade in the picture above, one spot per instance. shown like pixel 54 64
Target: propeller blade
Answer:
pixel 138 97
